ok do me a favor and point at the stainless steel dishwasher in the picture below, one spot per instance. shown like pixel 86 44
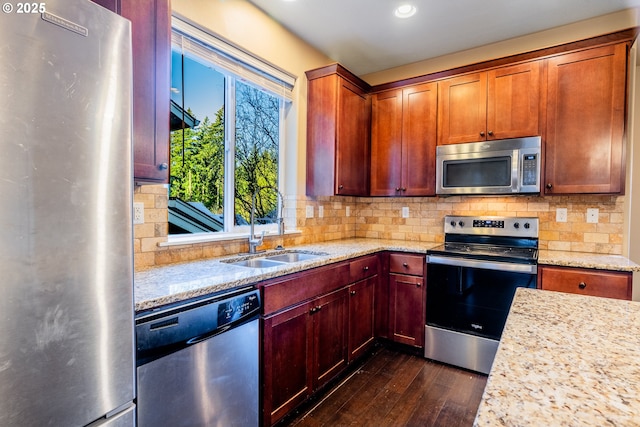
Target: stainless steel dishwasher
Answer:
pixel 197 363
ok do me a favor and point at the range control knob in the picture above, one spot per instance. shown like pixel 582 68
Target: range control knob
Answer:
pixel 516 225
pixel 453 223
pixel 461 223
pixel 526 225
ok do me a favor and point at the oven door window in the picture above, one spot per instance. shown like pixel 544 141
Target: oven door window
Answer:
pixel 487 172
pixel 472 300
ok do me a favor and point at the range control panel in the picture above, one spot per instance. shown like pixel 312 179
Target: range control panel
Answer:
pixel 492 225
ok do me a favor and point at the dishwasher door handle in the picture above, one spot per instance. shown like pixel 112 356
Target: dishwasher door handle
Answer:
pixel 203 337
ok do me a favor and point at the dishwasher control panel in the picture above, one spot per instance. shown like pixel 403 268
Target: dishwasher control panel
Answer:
pixel 235 309
pixel 167 330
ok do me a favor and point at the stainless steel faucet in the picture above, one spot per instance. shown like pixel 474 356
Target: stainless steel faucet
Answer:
pixel 255 241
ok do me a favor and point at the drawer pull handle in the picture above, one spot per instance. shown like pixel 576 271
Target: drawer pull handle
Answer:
pixel 582 285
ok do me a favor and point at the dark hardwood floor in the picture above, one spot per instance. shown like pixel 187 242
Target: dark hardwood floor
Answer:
pixel 393 388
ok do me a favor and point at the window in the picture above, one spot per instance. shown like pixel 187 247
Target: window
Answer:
pixel 227 121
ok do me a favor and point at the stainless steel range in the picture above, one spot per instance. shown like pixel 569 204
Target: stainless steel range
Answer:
pixel 471 280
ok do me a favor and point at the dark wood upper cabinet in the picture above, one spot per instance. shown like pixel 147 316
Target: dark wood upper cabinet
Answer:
pixel 151 42
pixel 151 46
pixel 338 119
pixel 585 121
pixel 403 141
pixel 112 5
pixel 496 104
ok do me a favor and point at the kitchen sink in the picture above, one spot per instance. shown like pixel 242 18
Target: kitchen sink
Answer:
pixel 275 260
pixel 256 263
pixel 293 256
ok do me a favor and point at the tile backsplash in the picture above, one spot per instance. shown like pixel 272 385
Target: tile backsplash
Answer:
pixel 410 218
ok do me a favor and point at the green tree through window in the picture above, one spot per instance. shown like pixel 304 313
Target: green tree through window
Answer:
pixel 197 175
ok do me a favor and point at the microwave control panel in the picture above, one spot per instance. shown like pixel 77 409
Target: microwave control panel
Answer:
pixel 529 169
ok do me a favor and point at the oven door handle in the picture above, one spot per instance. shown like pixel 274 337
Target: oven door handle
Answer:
pixel 487 265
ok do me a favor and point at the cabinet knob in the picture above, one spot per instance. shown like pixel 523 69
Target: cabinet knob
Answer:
pixel 482 134
pixel 404 189
pixel 549 186
pixel 490 133
pixel 365 268
pixel 397 188
pixel 340 187
pixel 405 265
pixel 163 166
pixel 582 285
pixel 353 292
pixel 418 284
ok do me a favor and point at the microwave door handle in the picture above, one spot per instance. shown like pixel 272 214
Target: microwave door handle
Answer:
pixel 515 171
pixel 487 265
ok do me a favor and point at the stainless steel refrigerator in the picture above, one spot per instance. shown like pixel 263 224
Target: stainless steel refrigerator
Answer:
pixel 66 262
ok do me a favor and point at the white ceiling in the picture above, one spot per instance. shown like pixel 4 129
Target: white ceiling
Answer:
pixel 365 36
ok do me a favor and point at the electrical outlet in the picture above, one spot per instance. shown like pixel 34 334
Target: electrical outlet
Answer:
pixel 320 211
pixel 561 215
pixel 309 211
pixel 138 213
pixel 592 215
pixel 405 212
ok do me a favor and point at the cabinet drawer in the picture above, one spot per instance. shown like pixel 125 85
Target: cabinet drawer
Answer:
pixel 406 264
pixel 296 288
pixel 364 267
pixel 609 284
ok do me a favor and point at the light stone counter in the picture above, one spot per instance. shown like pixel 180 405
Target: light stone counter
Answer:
pixel 178 282
pixel 565 360
pixel 586 260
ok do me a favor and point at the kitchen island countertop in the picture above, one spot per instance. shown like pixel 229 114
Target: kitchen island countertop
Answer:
pixel 565 360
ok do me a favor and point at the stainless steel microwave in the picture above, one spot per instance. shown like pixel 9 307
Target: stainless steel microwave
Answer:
pixel 507 166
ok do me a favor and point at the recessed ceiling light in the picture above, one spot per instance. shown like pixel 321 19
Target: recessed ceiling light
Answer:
pixel 405 11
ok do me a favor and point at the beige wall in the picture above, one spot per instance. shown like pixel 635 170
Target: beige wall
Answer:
pixel 565 34
pixel 244 25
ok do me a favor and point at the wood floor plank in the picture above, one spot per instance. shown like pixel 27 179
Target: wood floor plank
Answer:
pixel 394 388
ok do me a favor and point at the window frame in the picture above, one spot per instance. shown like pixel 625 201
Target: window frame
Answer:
pixel 278 84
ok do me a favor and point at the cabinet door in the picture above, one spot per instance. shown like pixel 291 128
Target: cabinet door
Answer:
pixel 462 109
pixel 352 144
pixel 287 355
pixel 151 43
pixel 361 316
pixel 407 309
pixel 386 143
pixel 419 110
pixel 112 5
pixel 585 121
pixel 608 284
pixel 330 319
pixel 513 101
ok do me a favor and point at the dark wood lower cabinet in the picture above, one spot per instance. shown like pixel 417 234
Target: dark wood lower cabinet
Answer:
pixel 407 309
pixel 286 357
pixel 303 348
pixel 361 316
pixel 329 316
pixel 316 323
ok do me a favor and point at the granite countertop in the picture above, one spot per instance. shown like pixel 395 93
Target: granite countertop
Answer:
pixel 586 260
pixel 169 284
pixel 178 282
pixel 565 360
